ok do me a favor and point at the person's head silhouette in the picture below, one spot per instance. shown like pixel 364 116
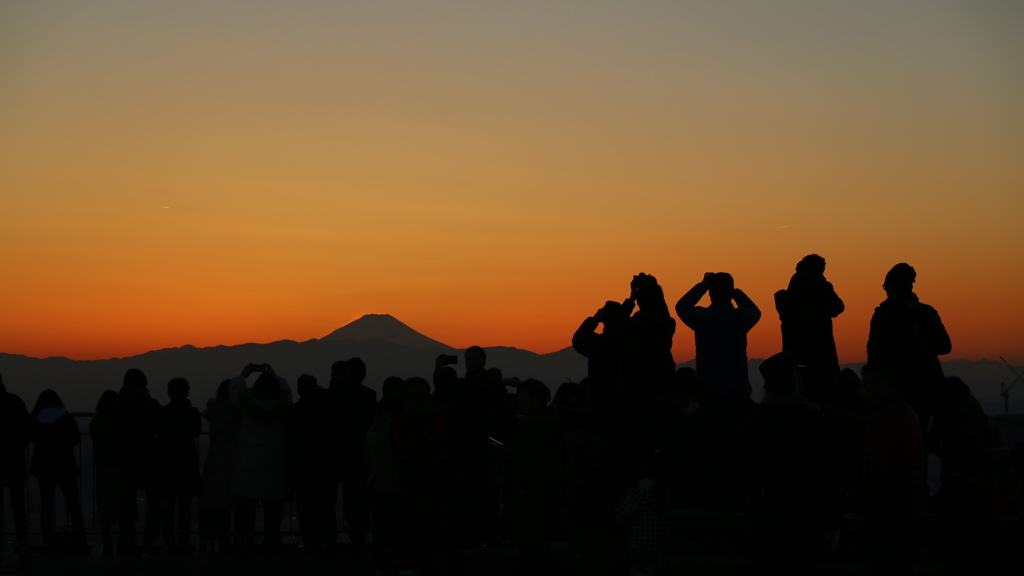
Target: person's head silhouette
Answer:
pixel 720 287
pixel 811 264
pixel 900 279
pixel 178 389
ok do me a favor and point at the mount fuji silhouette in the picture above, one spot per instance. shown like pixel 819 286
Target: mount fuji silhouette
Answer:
pixel 384 327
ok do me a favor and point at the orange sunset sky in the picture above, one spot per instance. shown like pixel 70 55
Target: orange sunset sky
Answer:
pixel 490 173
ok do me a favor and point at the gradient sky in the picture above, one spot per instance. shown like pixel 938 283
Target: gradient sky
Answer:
pixel 491 172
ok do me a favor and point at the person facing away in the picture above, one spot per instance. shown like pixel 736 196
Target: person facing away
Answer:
pixel 308 470
pixel 894 476
pixel 786 451
pixel 217 498
pixel 178 463
pixel 137 416
pixel 260 476
pixel 15 430
pixel 535 463
pixel 905 341
pixel 55 435
pixel 806 309
pixel 356 406
pixel 103 431
pixel 720 333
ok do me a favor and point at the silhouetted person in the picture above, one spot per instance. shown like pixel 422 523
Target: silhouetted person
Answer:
pixel 686 462
pixel 720 333
pixel 566 397
pixel 474 421
pixel 422 443
pixel 960 434
pixel 15 431
pixel 446 389
pixel 594 443
pixel 54 436
pixel 893 493
pixel 260 476
pixel 806 308
pixel 390 526
pixel 178 464
pixel 103 431
pixel 644 512
pixel 217 499
pixel 906 340
pixel 335 436
pixel 786 450
pixel 355 407
pixel 647 365
pixel 137 417
pixel 604 352
pixel 476 363
pixel 535 461
pixel 309 471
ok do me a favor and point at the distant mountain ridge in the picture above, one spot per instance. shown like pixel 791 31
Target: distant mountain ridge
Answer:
pixel 387 345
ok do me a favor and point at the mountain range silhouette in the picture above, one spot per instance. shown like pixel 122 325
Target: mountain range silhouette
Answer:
pixel 388 346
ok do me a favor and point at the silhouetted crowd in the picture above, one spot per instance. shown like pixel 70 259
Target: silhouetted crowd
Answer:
pixel 433 467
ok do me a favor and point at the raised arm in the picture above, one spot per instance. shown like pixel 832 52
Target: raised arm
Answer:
pixel 583 339
pixel 687 305
pixel 744 303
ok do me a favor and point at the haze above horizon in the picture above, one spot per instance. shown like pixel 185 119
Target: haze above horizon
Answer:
pixel 230 172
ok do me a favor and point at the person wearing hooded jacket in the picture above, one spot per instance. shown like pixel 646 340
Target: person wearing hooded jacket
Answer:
pixel 55 435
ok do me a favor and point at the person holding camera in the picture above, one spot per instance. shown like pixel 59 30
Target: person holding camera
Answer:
pixel 260 476
pixel 720 333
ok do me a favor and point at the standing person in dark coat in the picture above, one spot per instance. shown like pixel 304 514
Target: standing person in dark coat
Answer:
pixel 596 435
pixel 422 442
pixel 178 463
pixel 137 419
pixel 217 499
pixel 906 340
pixel 309 472
pixel 351 407
pixel 535 460
pixel 103 431
pixel 647 365
pixel 55 435
pixel 806 309
pixel 260 477
pixel 786 452
pixel 390 518
pixel 960 434
pixel 476 418
pixel 15 430
pixel 603 351
pixel 895 472
pixel 720 333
